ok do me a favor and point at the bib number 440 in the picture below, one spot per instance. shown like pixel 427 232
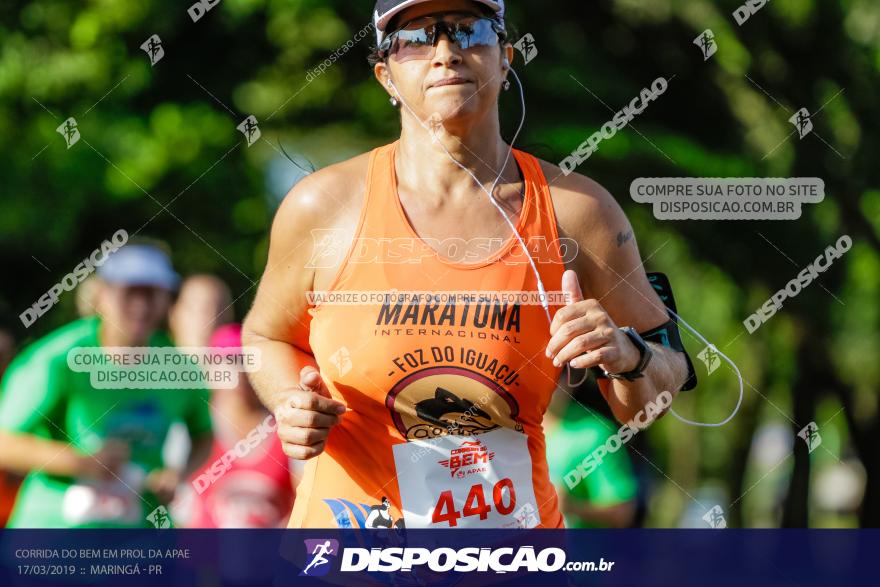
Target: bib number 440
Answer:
pixel 503 498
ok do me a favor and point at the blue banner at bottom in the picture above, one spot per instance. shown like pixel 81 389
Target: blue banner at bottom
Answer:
pixel 678 558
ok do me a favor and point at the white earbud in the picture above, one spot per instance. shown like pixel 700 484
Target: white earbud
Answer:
pixel 506 62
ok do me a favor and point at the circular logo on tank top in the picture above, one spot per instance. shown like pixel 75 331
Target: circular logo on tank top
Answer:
pixel 450 400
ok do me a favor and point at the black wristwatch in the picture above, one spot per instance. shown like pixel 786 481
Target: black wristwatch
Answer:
pixel 645 354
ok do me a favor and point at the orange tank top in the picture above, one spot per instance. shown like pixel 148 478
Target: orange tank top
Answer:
pixel 446 396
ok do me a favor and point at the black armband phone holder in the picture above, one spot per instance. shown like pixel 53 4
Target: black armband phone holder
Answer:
pixel 666 334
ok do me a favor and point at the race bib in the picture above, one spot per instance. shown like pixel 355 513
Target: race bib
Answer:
pixel 108 501
pixel 482 481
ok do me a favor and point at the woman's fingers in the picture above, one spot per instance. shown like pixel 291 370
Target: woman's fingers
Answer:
pixel 310 379
pixel 302 453
pixel 302 399
pixel 567 332
pixel 582 344
pixel 596 357
pixel 302 436
pixel 305 420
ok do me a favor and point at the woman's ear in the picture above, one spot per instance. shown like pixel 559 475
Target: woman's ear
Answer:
pixel 383 76
pixel 507 52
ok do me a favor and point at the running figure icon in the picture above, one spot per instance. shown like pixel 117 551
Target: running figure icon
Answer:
pixel 321 549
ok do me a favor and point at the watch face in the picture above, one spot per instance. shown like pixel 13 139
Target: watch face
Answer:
pixel 645 353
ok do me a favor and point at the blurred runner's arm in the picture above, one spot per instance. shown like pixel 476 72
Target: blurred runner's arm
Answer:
pixel 619 515
pixel 163 482
pixel 23 453
pixel 201 434
pixel 29 399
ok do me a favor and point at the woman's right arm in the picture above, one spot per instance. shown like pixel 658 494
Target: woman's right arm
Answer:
pixel 287 380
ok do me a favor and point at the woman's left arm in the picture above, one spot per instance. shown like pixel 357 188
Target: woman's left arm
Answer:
pixel 609 290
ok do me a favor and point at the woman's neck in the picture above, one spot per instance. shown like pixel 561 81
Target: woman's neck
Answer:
pixel 423 162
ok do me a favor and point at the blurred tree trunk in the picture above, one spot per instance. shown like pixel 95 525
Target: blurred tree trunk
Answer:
pixel 739 458
pixel 796 510
pixel 864 438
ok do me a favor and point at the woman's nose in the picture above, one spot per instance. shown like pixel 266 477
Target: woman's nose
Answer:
pixel 446 52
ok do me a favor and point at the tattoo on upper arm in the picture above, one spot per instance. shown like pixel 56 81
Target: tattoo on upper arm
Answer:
pixel 624 238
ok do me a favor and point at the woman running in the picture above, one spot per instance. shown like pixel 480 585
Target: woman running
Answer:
pixel 428 412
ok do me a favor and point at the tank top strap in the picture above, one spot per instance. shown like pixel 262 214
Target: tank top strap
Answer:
pixel 378 218
pixel 540 225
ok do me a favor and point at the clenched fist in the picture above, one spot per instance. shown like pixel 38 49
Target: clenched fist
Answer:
pixel 304 420
pixel 584 335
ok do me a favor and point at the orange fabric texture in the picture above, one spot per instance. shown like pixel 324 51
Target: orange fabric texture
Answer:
pixel 416 372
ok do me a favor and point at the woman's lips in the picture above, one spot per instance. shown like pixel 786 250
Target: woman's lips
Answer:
pixel 450 81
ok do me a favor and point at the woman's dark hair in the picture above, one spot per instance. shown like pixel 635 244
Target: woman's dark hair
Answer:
pixel 375 57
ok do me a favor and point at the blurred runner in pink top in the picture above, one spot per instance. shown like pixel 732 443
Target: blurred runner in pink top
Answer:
pixel 247 481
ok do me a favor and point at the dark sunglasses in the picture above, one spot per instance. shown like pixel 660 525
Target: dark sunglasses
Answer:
pixel 418 39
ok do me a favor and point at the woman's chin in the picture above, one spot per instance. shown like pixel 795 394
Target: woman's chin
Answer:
pixel 452 111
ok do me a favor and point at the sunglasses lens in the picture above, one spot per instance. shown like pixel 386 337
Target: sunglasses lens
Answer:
pixel 412 44
pixel 475 34
pixel 417 42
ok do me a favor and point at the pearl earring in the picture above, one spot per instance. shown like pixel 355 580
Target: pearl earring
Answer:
pixel 395 102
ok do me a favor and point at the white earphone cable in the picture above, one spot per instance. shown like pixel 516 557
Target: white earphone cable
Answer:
pixel 541 290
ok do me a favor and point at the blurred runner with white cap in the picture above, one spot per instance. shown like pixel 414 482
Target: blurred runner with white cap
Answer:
pixel 93 457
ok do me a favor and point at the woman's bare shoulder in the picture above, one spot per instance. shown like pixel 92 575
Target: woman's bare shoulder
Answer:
pixel 323 197
pixel 583 207
pixel 326 203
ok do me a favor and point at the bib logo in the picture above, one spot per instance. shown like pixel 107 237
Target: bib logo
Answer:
pixel 450 400
pixel 471 457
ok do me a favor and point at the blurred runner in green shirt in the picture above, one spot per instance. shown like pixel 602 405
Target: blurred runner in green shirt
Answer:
pixel 93 457
pixel 607 496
